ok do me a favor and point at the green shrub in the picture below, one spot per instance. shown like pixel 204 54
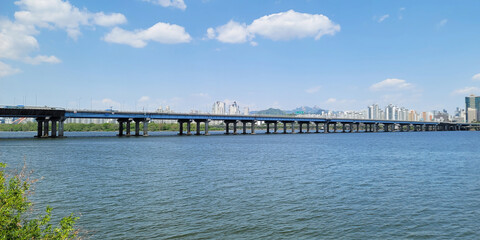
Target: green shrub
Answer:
pixel 14 205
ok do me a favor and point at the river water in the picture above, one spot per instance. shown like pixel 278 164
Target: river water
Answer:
pixel 296 186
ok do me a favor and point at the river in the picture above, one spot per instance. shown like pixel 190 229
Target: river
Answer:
pixel 285 186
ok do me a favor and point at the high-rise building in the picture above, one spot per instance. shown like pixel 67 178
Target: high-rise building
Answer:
pixel 373 112
pixel 472 108
pixel 218 108
pixel 246 111
pixel 234 109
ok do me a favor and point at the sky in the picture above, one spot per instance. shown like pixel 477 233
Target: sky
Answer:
pixel 187 54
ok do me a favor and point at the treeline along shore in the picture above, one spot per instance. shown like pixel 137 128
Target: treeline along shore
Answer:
pixel 103 127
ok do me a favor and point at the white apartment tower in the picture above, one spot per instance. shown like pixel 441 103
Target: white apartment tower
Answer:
pixel 234 109
pixel 218 108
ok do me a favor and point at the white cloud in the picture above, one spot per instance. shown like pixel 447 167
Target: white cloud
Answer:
pixel 210 33
pixel 232 32
pixel 289 25
pixel 313 89
pixel 400 15
pixel 42 59
pixel 144 99
pixel 170 3
pixel 442 23
pixel 391 84
pixel 331 100
pixel 279 26
pixel 108 20
pixel 201 95
pixel 7 70
pixel 466 91
pixel 160 32
pixel 17 38
pixel 476 77
pixel 107 102
pixel 60 14
pixel 382 18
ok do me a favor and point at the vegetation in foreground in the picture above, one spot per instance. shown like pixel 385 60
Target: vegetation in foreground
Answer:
pixel 14 206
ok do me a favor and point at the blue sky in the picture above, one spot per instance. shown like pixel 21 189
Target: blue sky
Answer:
pixel 139 54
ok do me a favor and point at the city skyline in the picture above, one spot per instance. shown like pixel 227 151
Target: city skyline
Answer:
pixel 188 54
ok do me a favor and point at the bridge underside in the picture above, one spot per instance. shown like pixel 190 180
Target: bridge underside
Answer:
pixel 51 122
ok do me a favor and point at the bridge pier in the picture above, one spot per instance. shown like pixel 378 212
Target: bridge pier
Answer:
pixel 293 127
pixel 120 126
pixel 316 127
pixel 227 126
pixel 180 126
pixel 325 127
pixel 145 127
pixel 61 126
pixel 244 126
pixel 343 127
pixel 54 128
pixel 127 129
pixel 206 127
pixel 268 126
pixel 300 130
pixel 137 127
pixel 45 127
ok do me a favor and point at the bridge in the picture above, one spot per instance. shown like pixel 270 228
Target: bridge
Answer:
pixel 51 122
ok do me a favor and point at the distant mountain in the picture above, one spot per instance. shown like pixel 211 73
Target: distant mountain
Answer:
pixel 303 110
pixel 308 110
pixel 270 111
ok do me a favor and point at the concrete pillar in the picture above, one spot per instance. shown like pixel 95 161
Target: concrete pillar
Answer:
pixel 376 126
pixel 120 127
pixel 335 127
pixel 39 127
pixel 45 127
pixel 300 127
pixel 275 128
pixel 189 127
pixel 206 127
pixel 54 128
pixel 316 127
pixel 235 127
pixel 198 127
pixel 61 126
pixel 268 128
pixel 145 127
pixel 127 130
pixel 253 127
pixel 343 127
pixel 293 127
pixel 227 130
pixel 137 127
pixel 284 127
pixel 244 127
pixel 358 127
pixel 325 127
pixel 308 127
pixel 180 127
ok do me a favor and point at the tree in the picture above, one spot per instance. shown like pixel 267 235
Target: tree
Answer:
pixel 14 205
